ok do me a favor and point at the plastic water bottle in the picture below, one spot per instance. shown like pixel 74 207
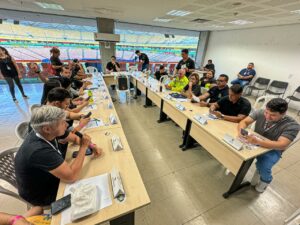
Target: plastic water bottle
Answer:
pixel 90 94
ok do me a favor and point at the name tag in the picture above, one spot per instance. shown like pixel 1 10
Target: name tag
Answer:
pixel 180 107
pixel 202 120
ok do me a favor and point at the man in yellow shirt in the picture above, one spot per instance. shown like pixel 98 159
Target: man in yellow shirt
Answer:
pixel 178 83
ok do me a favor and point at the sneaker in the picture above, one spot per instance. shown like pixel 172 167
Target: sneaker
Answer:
pixel 15 100
pixel 227 172
pixel 261 186
pixel 25 96
pixel 255 178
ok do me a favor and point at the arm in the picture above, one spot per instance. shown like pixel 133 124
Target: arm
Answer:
pixel 69 173
pixel 244 124
pixel 118 67
pixel 79 107
pixel 246 77
pixel 6 219
pixel 204 96
pixel 234 119
pixel 281 144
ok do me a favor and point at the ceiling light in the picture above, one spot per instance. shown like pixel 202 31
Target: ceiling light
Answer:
pixel 217 26
pixel 296 11
pixel 162 20
pixel 178 13
pixel 240 22
pixel 49 6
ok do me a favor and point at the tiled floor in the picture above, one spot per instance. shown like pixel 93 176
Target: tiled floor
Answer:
pixel 184 187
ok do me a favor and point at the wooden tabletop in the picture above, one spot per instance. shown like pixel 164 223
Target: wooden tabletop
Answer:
pixel 136 194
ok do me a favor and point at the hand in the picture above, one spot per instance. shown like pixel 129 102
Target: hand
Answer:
pixel 212 108
pixel 203 104
pixel 97 151
pixel 85 141
pixel 84 121
pixel 252 139
pixel 217 114
pixel 240 76
pixel 190 84
pixel 85 103
pixel 22 222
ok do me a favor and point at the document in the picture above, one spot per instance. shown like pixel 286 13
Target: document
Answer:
pixel 102 183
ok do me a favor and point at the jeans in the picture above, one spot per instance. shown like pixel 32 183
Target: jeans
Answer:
pixel 265 163
pixel 240 82
pixel 145 66
pixel 10 82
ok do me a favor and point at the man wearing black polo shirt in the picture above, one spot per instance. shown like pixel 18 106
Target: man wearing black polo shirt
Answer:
pixel 143 58
pixel 215 93
pixel 113 65
pixel 39 165
pixel 209 66
pixel 186 63
pixel 233 107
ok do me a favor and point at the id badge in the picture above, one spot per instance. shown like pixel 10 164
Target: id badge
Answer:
pixel 8 67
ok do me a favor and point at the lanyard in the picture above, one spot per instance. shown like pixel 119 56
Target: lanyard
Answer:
pixel 266 128
pixel 55 148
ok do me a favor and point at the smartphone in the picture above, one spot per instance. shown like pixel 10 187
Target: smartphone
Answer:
pixel 88 152
pixel 244 132
pixel 88 98
pixel 61 204
pixel 87 115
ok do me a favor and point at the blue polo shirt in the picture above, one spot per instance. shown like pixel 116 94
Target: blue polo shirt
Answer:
pixel 247 72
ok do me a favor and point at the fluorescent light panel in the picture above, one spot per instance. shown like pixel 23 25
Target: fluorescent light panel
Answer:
pixel 296 11
pixel 240 22
pixel 178 13
pixel 49 6
pixel 162 20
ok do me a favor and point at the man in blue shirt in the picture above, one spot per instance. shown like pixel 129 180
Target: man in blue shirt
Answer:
pixel 245 75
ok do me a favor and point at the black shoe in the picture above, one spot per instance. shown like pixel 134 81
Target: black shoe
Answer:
pixel 25 96
pixel 15 100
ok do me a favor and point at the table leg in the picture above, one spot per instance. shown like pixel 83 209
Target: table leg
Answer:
pixel 238 183
pixel 137 91
pixel 127 219
pixel 148 102
pixel 162 115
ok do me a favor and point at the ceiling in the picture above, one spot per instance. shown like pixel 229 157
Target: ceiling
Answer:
pixel 218 12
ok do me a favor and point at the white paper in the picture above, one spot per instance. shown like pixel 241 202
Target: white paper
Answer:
pixel 94 123
pixel 101 182
pixel 181 99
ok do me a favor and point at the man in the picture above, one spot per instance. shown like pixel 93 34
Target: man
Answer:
pixel 245 75
pixel 233 107
pixel 113 65
pixel 179 82
pixel 209 66
pixel 186 63
pixel 215 93
pixel 39 164
pixel 161 72
pixel 278 129
pixel 143 59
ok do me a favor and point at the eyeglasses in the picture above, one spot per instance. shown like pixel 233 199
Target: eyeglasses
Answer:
pixel 220 80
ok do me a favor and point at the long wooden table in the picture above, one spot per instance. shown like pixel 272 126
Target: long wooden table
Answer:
pixel 136 194
pixel 209 136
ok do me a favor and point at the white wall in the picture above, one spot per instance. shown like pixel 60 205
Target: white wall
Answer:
pixel 274 50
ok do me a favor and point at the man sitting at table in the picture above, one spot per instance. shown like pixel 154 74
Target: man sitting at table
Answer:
pixel 233 107
pixel 39 165
pixel 245 75
pixel 193 87
pixel 279 129
pixel 113 65
pixel 179 82
pixel 161 72
pixel 215 93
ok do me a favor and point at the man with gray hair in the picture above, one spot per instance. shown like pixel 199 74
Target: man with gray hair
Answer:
pixel 39 163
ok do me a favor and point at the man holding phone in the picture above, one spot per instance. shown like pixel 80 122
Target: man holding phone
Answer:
pixel 280 131
pixel 39 164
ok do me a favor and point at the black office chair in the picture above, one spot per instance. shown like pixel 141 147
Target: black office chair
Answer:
pixel 259 84
pixel 277 88
pixel 295 97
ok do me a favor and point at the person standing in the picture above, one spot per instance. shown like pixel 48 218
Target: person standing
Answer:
pixel 143 59
pixel 11 73
pixel 186 63
pixel 55 61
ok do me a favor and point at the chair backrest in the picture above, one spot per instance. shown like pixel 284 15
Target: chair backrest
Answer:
pixel 163 78
pixel 262 81
pixel 278 87
pixel 132 68
pixel 93 70
pixel 297 89
pixel 123 82
pixel 7 166
pixel 264 99
pixel 33 107
pixel 22 130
